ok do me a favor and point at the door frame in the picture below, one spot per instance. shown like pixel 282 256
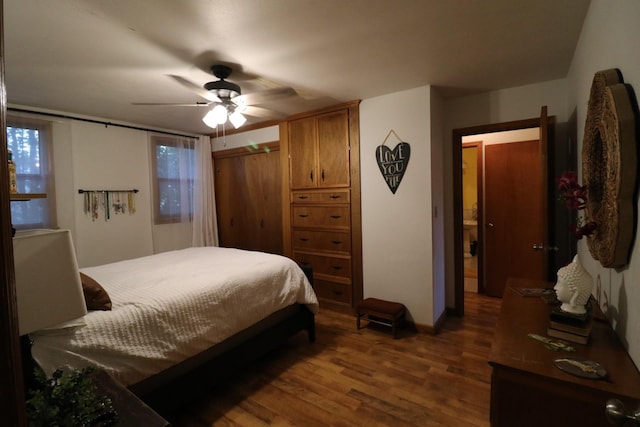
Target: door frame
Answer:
pixel 12 402
pixel 456 149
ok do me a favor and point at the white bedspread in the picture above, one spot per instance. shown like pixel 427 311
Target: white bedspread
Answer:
pixel 170 306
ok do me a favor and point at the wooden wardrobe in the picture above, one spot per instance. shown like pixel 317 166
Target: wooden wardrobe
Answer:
pixel 249 197
pixel 322 229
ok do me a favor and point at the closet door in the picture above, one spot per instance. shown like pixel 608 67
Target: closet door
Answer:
pixel 229 201
pixel 333 149
pixel 249 198
pixel 263 193
pixel 302 150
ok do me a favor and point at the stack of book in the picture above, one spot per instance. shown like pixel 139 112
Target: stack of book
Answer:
pixel 570 327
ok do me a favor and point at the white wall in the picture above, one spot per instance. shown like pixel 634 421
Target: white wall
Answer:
pixel 110 158
pixel 609 39
pixel 243 139
pixel 523 102
pixel 396 228
pixel 505 137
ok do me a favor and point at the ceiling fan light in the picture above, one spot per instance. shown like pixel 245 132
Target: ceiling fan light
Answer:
pixel 219 114
pixel 237 119
pixel 210 120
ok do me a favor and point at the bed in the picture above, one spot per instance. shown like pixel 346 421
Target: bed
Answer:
pixel 173 313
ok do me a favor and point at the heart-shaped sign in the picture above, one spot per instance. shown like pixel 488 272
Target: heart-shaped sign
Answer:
pixel 393 163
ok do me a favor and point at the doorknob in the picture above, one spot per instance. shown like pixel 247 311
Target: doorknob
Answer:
pixel 490 224
pixel 618 415
pixel 543 247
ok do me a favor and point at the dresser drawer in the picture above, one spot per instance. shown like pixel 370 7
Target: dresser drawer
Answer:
pixel 333 196
pixel 321 216
pixel 331 241
pixel 333 291
pixel 325 264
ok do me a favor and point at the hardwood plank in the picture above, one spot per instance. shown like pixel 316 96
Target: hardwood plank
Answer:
pixel 351 377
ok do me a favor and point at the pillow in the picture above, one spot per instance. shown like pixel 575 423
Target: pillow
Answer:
pixel 94 294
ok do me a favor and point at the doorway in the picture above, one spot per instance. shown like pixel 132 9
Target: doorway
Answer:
pixel 472 208
pixel 545 124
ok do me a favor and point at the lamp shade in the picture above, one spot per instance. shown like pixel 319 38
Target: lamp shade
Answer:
pixel 48 286
pixel 209 119
pixel 220 114
pixel 237 119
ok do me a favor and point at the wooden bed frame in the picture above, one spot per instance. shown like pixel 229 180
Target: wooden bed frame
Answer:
pixel 174 386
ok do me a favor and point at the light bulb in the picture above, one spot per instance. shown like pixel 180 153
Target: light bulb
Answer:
pixel 237 119
pixel 210 120
pixel 219 114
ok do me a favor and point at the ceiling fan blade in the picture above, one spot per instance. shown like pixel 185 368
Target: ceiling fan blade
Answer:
pixel 249 110
pixel 173 104
pixel 195 88
pixel 264 96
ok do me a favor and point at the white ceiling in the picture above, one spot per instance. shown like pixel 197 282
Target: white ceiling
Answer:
pixel 97 57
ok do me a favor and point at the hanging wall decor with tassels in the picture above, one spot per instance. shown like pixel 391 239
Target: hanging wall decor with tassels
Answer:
pixel 393 163
pixel 108 201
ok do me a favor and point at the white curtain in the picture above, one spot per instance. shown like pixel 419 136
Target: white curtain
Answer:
pixel 205 223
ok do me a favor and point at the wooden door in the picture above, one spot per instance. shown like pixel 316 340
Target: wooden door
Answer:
pixel 229 201
pixel 249 200
pixel 263 194
pixel 302 153
pixel 333 149
pixel 514 214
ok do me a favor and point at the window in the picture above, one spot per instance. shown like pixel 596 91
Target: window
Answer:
pixel 173 163
pixel 30 143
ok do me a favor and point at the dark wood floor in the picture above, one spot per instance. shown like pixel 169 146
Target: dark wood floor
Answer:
pixel 357 378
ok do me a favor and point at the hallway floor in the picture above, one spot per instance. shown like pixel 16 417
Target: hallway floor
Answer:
pixel 471 274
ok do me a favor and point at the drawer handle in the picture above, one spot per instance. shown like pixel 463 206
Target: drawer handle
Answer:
pixel 303 197
pixel 334 196
pixel 305 263
pixel 336 292
pixel 336 216
pixel 336 267
pixel 336 242
pixel 303 215
pixel 304 239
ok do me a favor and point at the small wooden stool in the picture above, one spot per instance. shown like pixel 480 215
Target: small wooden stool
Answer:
pixel 381 312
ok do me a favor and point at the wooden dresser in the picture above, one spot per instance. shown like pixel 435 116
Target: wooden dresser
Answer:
pixel 321 200
pixel 527 389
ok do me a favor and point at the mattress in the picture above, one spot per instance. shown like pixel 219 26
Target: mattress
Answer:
pixel 170 306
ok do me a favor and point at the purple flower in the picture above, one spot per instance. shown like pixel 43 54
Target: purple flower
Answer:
pixel 575 197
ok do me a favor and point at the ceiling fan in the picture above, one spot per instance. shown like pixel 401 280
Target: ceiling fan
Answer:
pixel 227 99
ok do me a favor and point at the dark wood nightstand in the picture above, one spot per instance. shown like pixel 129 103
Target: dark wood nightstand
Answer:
pixel 131 410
